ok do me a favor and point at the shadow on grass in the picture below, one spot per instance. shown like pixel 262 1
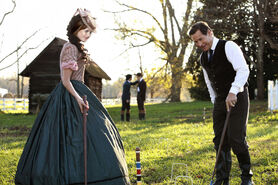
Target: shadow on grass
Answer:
pixel 14 131
pixel 10 143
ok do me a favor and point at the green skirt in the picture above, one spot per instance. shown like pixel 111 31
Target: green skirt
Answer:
pixel 53 154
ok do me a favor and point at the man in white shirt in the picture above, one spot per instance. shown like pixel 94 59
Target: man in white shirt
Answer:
pixel 226 73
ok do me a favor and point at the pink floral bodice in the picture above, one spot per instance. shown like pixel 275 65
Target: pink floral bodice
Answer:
pixel 70 58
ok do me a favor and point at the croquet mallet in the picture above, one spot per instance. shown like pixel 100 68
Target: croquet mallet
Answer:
pixel 85 113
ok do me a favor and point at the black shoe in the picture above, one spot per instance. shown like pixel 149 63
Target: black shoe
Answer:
pixel 247 181
pixel 221 182
pixel 127 117
pixel 245 166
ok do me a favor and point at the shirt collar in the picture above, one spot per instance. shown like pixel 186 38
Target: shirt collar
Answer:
pixel 140 79
pixel 214 43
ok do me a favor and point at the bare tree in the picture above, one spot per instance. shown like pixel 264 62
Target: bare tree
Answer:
pixel 18 49
pixel 175 39
pixel 7 13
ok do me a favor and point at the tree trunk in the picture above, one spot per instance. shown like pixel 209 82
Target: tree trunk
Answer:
pixel 22 87
pixel 260 70
pixel 152 93
pixel 260 60
pixel 176 81
pixel 17 81
pixel 17 86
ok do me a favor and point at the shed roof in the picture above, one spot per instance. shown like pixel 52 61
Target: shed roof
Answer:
pixel 52 52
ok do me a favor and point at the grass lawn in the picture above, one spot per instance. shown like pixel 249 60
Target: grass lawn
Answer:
pixel 172 133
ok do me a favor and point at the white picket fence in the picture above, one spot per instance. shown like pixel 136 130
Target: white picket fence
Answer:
pixel 7 104
pixel 11 104
pixel 133 101
pixel 273 95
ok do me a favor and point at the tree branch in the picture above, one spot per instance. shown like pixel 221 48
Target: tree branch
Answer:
pixel 116 12
pixel 144 34
pixel 154 75
pixel 167 44
pixel 171 13
pixel 19 47
pixel 7 13
pixel 140 58
pixel 31 48
pixel 144 11
pixel 185 24
pixel 174 15
pixel 132 47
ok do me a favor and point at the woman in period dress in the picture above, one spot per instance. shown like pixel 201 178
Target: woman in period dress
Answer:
pixel 53 154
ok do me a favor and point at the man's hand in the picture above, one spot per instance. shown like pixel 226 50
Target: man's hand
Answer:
pixel 231 101
pixel 127 101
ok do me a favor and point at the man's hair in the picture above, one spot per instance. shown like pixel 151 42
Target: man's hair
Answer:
pixel 139 74
pixel 128 76
pixel 202 26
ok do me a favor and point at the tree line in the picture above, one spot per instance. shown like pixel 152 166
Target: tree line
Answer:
pixel 252 24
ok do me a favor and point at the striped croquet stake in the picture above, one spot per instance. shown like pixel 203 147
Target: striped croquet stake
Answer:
pixel 138 166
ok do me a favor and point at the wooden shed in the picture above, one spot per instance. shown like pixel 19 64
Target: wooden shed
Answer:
pixel 44 74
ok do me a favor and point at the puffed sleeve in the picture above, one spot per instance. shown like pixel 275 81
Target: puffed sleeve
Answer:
pixel 69 57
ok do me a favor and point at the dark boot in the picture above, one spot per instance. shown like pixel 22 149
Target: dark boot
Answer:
pixel 245 166
pixel 223 168
pixel 127 117
pixel 140 116
pixel 122 117
pixel 143 116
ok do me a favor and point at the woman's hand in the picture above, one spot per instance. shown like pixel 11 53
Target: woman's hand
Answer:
pixel 68 85
pixel 82 104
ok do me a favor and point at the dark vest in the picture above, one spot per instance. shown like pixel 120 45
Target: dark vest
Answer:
pixel 220 71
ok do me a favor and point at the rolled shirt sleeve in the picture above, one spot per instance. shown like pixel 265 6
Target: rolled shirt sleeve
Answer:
pixel 236 58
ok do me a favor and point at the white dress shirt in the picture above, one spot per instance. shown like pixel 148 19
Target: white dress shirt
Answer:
pixel 236 58
pixel 138 89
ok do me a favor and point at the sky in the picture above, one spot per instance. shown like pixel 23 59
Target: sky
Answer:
pixel 51 17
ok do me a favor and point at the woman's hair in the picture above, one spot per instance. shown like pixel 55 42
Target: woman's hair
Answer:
pixel 75 25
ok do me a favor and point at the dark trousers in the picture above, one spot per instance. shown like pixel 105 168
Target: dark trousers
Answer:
pixel 125 106
pixel 235 137
pixel 236 131
pixel 140 103
pixel 141 107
